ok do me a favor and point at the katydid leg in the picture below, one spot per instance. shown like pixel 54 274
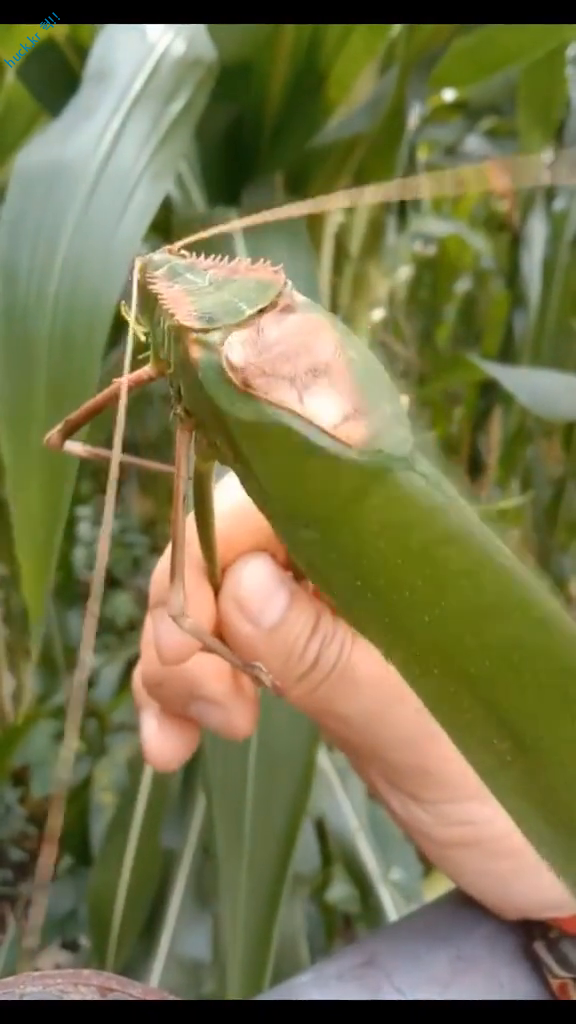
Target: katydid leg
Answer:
pixel 59 437
pixel 88 451
pixel 177 593
pixel 71 424
pixel 139 332
pixel 202 490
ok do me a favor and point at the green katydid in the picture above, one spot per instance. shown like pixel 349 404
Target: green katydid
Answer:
pixel 265 381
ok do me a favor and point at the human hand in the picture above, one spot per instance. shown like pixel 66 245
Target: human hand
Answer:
pixel 340 680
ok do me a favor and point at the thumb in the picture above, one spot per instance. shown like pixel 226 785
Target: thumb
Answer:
pixel 313 655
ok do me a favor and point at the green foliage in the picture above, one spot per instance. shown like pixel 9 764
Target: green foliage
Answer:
pixel 257 805
pixel 119 138
pixel 132 857
pixel 550 394
pixel 87 186
pixel 491 49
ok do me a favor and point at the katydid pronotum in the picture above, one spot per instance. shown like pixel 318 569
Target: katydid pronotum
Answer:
pixel 256 368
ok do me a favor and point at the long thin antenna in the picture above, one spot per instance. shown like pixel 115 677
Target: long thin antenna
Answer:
pixel 48 853
pixel 522 171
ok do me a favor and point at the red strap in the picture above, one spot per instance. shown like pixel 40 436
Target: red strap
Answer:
pixel 564 924
pixel 554 945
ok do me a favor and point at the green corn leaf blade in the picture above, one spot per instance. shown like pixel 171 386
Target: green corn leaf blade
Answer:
pixel 553 333
pixel 186 966
pixel 293 952
pixel 399 854
pixel 81 196
pixel 422 40
pixel 127 871
pixel 12 37
pixel 347 51
pixel 341 800
pixel 19 115
pixel 375 160
pixel 542 99
pixel 82 35
pixel 257 793
pixel 9 948
pixel 108 779
pixel 12 735
pixel 49 75
pixel 183 937
pixel 237 43
pixel 362 118
pixel 173 949
pixel 549 394
pixel 437 228
pixel 532 257
pixel 491 49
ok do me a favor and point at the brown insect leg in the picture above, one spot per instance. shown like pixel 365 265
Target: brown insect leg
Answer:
pixel 88 451
pixel 203 491
pixel 58 438
pixel 71 424
pixel 177 594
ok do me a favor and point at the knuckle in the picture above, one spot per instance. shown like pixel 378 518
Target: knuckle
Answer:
pixel 321 649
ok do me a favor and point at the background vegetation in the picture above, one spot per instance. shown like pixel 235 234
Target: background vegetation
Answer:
pixel 257 858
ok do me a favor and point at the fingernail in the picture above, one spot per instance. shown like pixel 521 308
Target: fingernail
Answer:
pixel 207 713
pixel 263 591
